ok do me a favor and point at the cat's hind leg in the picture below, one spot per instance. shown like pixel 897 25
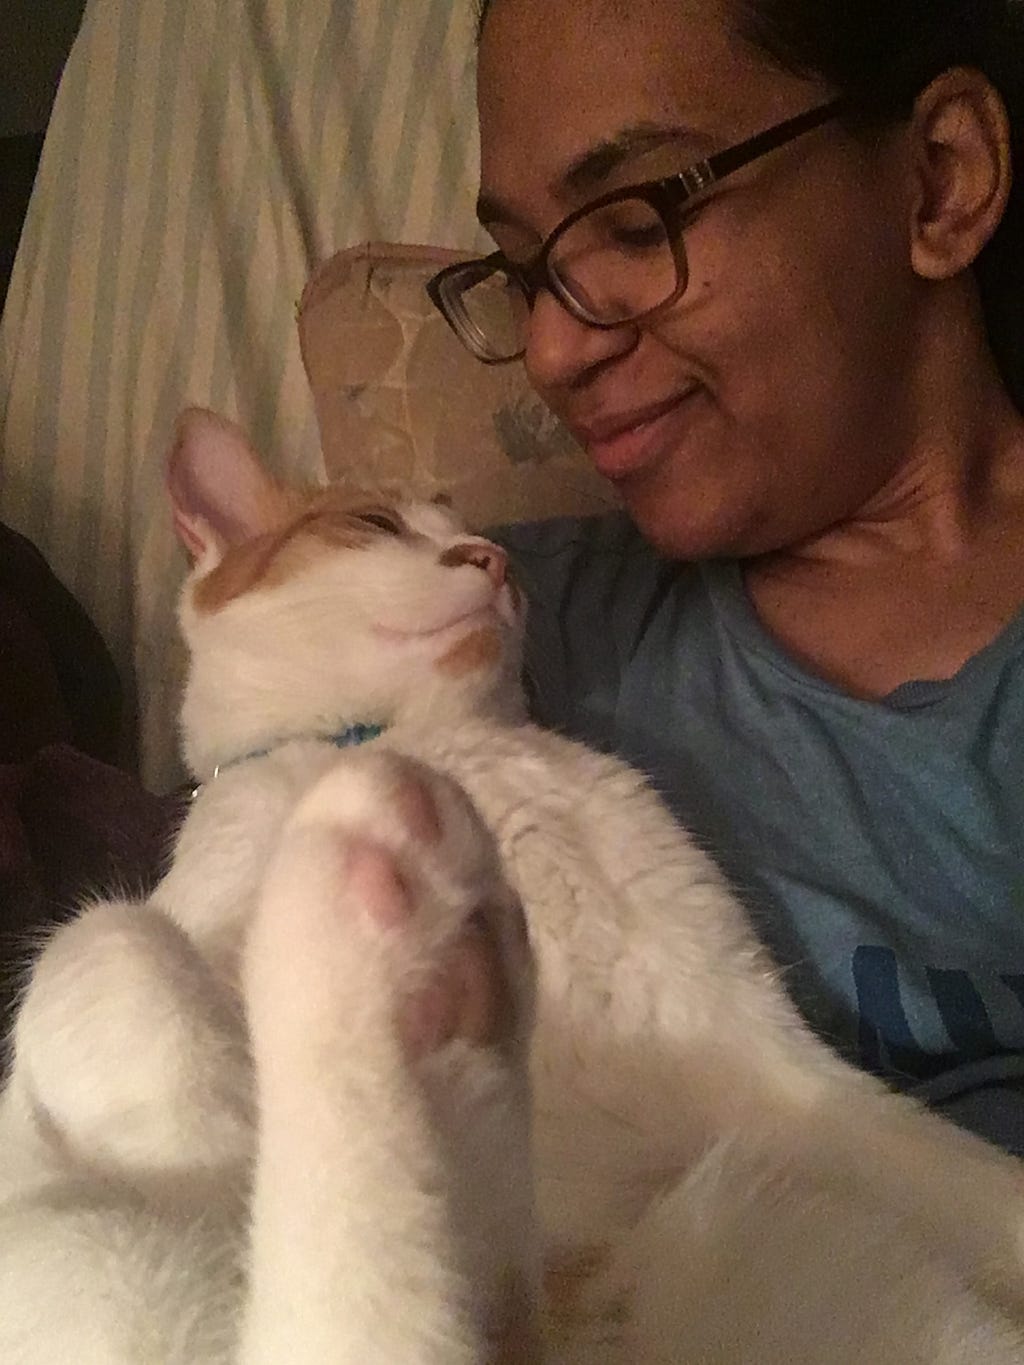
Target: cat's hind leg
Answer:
pixel 125 1133
pixel 388 989
pixel 744 1261
pixel 130 1057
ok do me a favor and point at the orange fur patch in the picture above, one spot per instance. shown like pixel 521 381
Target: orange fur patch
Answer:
pixel 479 649
pixel 318 523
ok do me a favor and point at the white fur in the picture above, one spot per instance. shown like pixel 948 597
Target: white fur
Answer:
pixel 213 1150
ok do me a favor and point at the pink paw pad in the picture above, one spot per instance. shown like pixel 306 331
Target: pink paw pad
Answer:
pixel 468 997
pixel 372 874
pixel 416 809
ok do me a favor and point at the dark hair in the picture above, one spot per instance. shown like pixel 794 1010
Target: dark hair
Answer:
pixel 881 54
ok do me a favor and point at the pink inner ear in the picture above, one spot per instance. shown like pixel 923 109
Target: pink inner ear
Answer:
pixel 220 493
pixel 188 534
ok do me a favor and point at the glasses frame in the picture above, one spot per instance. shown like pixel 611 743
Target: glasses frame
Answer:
pixel 668 196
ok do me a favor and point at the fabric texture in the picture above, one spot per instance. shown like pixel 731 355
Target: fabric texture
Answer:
pixel 878 844
pixel 400 401
pixel 203 157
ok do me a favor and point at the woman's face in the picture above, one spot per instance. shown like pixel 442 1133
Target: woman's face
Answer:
pixel 770 401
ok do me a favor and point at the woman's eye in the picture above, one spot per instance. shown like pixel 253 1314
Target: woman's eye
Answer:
pixel 382 521
pixel 646 238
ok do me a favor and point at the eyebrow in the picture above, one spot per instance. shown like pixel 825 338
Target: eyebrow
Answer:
pixel 589 170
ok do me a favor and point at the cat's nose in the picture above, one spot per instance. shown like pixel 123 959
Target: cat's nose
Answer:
pixel 481 553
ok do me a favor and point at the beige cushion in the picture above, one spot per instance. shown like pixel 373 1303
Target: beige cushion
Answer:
pixel 401 403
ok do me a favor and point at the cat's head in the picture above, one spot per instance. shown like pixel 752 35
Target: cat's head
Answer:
pixel 308 611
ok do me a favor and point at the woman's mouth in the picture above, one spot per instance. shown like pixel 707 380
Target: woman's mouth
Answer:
pixel 619 446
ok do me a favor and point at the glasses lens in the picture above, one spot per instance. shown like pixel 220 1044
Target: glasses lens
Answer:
pixel 616 262
pixel 489 310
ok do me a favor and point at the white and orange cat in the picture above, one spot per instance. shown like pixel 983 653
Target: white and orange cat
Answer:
pixel 310 1103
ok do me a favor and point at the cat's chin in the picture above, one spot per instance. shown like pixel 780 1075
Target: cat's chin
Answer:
pixel 436 630
pixel 503 612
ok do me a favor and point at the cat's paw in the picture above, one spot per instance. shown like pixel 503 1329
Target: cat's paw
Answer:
pixel 388 987
pixel 385 898
pixel 416 873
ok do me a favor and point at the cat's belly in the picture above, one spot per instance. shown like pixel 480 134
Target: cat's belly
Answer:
pixel 645 964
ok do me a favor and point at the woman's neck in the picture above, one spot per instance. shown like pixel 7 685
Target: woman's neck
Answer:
pixel 957 480
pixel 930 568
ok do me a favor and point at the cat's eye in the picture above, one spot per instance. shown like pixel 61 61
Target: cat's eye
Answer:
pixel 382 521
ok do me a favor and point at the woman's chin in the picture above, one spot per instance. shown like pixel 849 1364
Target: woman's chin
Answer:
pixel 685 539
pixel 693 518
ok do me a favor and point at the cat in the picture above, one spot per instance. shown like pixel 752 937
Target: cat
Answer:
pixel 326 1096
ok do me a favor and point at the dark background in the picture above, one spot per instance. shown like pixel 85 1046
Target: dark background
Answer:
pixel 35 38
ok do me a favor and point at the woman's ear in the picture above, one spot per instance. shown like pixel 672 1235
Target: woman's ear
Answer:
pixel 220 493
pixel 963 171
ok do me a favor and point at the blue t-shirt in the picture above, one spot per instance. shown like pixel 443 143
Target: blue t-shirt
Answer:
pixel 878 844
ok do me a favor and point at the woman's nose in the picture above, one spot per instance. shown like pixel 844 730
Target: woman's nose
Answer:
pixel 560 349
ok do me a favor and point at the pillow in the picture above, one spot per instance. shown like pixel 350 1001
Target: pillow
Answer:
pixel 400 403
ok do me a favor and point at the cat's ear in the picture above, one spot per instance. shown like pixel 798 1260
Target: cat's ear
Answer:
pixel 220 493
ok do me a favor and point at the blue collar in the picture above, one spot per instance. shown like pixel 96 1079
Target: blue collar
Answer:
pixel 356 734
pixel 360 733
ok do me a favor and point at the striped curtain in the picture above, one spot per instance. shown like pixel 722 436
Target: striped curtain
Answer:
pixel 203 156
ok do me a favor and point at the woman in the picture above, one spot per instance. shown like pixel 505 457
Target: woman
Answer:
pixel 800 365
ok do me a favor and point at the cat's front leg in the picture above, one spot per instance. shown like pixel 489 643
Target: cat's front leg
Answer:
pixel 387 984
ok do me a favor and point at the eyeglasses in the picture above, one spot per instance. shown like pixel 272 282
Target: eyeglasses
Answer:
pixel 614 261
